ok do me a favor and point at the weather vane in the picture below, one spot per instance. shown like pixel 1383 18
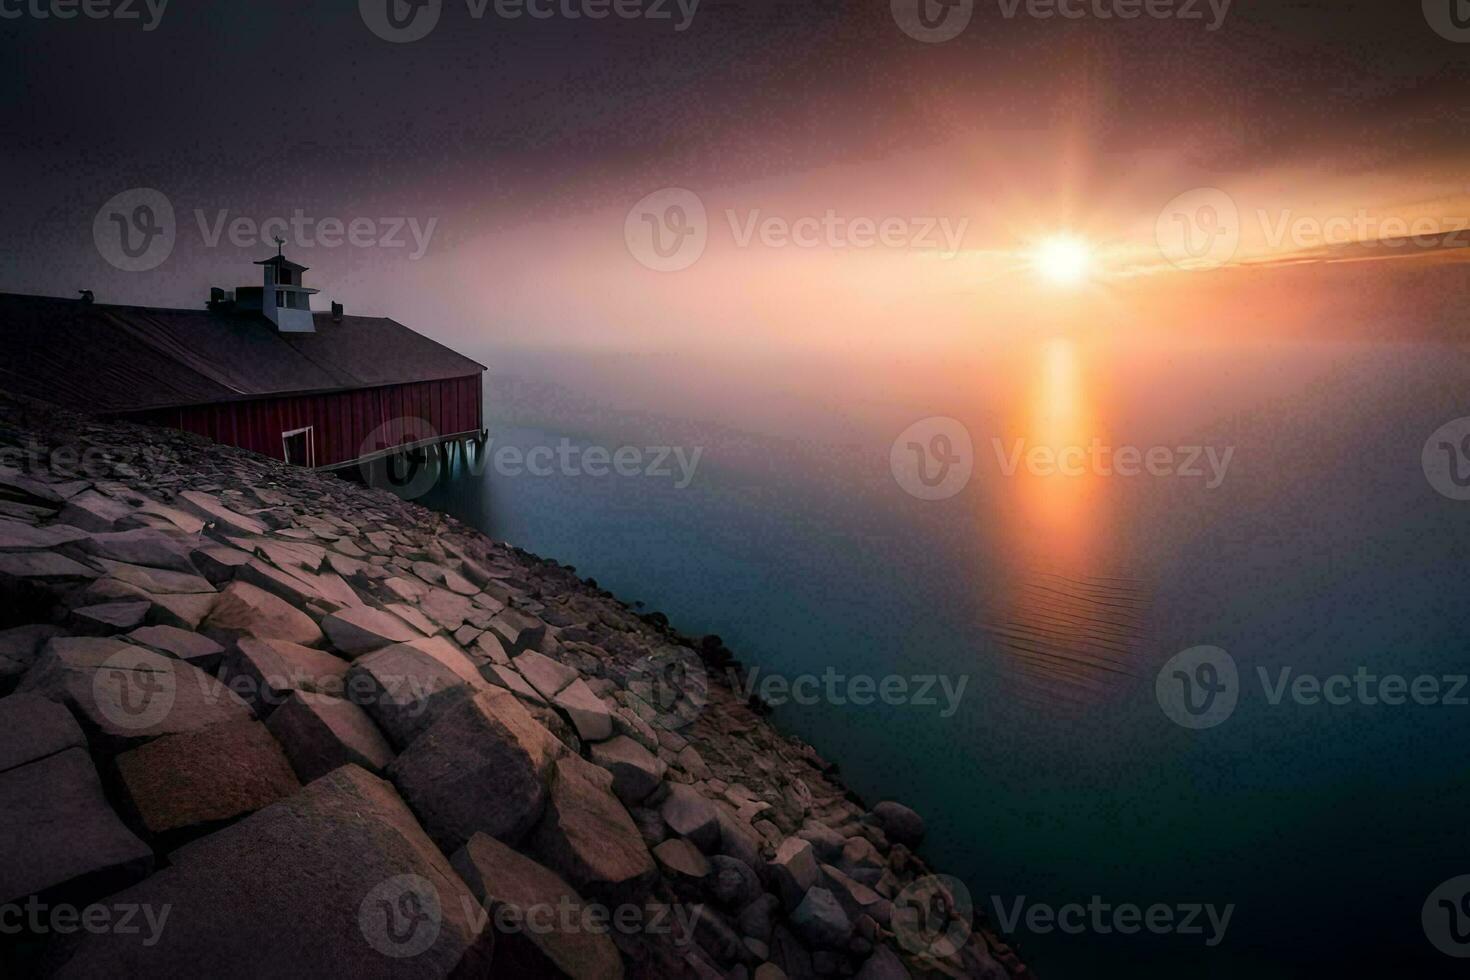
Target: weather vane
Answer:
pixel 279 242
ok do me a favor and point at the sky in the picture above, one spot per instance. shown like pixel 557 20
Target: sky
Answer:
pixel 493 170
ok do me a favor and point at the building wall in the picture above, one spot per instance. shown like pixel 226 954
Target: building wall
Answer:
pixel 347 425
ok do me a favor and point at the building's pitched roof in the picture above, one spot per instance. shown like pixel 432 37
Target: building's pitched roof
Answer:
pixel 130 358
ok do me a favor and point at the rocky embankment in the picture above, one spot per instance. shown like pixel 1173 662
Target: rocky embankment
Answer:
pixel 264 722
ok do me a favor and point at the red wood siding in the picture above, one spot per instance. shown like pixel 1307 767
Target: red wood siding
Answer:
pixel 343 420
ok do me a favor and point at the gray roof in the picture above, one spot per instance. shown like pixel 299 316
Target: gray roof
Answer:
pixel 100 358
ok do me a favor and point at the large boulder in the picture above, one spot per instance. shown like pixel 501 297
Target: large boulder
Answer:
pixel 588 837
pixel 636 771
pixel 404 689
pixel 320 733
pixel 266 672
pixel 690 814
pixel 181 784
pixel 125 695
pixel 540 923
pixel 247 610
pixel 58 836
pixel 820 920
pixel 900 824
pixel 337 880
pixel 588 714
pixel 520 631
pixel 481 767
pixel 794 870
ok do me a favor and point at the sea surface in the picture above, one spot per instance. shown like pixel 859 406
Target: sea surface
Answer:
pixel 1318 544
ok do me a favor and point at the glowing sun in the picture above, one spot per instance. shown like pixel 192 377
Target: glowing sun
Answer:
pixel 1062 260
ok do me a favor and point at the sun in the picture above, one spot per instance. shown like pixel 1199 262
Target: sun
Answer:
pixel 1063 260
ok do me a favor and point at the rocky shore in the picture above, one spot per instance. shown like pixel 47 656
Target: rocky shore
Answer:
pixel 259 721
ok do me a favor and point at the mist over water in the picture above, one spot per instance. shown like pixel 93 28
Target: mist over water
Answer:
pixel 1320 546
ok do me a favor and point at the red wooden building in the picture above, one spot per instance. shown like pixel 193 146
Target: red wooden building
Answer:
pixel 256 369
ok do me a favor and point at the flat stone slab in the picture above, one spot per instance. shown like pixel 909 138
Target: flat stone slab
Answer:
pixel 148 547
pixel 209 507
pixel 515 889
pixel 636 771
pixel 124 695
pixel 181 644
pixel 482 767
pixel 588 714
pixel 109 617
pixel 188 782
pixel 337 880
pixel 403 689
pixel 92 511
pixel 20 536
pixel 320 733
pixel 411 616
pixel 265 672
pixel 544 674
pixel 681 860
pixel 509 678
pixel 219 562
pixel 58 835
pixel 156 581
pixel 43 566
pixel 35 727
pixel 15 483
pixel 588 838
pixel 446 608
pixel 245 609
pixel 363 629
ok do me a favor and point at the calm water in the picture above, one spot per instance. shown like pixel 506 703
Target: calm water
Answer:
pixel 1058 598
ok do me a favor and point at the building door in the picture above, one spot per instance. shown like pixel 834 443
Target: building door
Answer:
pixel 299 446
